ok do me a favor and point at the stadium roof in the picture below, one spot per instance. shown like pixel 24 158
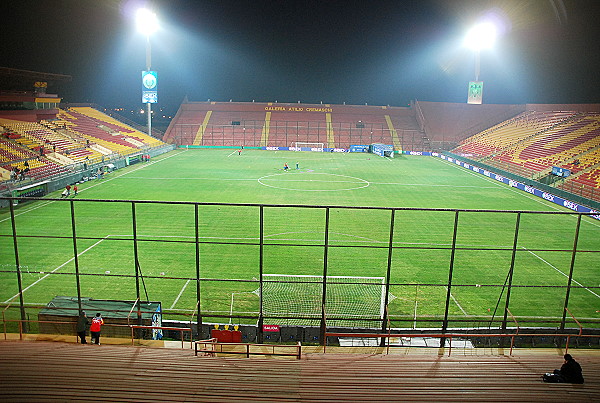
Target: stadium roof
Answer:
pixel 24 80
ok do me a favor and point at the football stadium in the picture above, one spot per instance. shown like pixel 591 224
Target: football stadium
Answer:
pixel 458 239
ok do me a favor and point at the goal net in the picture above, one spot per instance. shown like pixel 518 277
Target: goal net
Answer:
pixel 299 298
pixel 299 146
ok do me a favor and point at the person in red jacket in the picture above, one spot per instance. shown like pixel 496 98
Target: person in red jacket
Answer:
pixel 97 323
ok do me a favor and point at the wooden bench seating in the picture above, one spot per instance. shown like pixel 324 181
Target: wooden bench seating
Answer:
pixel 53 371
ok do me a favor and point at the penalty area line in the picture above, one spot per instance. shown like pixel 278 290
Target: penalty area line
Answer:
pixel 561 272
pixel 180 293
pixel 457 304
pixel 59 267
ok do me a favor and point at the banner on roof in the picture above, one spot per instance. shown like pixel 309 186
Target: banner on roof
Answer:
pixel 149 87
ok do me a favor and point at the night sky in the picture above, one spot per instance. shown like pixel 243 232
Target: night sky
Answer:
pixel 375 52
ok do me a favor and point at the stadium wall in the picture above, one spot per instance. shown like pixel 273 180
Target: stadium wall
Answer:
pixel 78 173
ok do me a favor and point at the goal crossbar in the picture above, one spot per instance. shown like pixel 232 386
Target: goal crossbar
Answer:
pixel 298 145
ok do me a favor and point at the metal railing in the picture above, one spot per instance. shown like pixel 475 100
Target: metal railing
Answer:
pixel 451 336
pixel 248 349
pixel 21 325
pixel 181 331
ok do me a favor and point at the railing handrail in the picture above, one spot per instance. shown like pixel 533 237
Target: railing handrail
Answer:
pixel 450 336
pixel 514 320
pixel 214 344
pixel 131 310
pixel 576 321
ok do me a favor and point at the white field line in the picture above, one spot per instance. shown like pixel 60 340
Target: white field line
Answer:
pixel 59 267
pixel 312 180
pixel 415 314
pixel 503 186
pixel 553 206
pixel 92 186
pixel 457 304
pixel 180 293
pixel 29 210
pixel 558 270
pixel 231 304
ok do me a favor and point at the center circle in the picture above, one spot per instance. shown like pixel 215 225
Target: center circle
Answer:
pixel 312 182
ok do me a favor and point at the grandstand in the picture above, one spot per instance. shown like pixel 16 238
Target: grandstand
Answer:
pixel 61 141
pixel 44 371
pixel 61 145
pixel 533 142
pixel 281 124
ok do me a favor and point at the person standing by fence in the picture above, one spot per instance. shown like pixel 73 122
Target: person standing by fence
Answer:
pixel 82 325
pixel 97 323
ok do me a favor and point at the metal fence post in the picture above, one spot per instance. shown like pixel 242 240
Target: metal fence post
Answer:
pixel 573 254
pixel 449 285
pixel 136 263
pixel 260 334
pixel 324 289
pixel 75 256
pixel 510 273
pixel 387 276
pixel 17 263
pixel 198 288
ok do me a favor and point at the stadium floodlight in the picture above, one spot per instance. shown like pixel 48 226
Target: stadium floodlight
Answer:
pixel 146 21
pixel 147 24
pixel 481 36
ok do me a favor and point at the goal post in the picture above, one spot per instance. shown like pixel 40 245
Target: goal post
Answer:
pixel 360 301
pixel 303 146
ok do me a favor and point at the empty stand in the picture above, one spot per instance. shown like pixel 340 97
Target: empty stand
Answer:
pixel 46 371
pixel 78 135
pixel 102 129
pixel 272 124
pixel 531 143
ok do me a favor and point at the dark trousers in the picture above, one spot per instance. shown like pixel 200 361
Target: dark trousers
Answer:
pixel 82 337
pixel 95 337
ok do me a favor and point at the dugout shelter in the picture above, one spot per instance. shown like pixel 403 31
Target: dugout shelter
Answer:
pixel 60 316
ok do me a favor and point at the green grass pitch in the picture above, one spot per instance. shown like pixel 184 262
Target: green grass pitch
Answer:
pixel 293 236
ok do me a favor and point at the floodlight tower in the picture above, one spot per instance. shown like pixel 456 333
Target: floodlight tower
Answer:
pixel 481 36
pixel 147 24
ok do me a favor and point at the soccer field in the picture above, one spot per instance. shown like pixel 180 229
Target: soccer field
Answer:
pixel 309 225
